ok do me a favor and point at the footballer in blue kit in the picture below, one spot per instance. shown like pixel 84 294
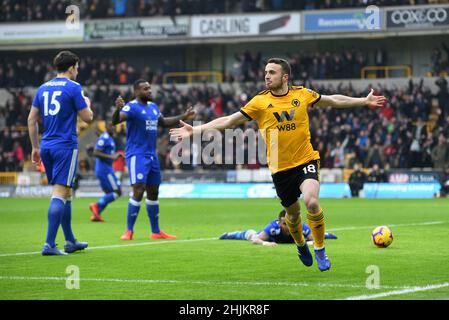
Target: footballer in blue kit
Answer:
pixel 142 120
pixel 105 154
pixel 58 102
pixel 273 233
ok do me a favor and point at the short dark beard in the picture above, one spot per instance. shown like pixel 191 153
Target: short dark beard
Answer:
pixel 145 98
pixel 277 88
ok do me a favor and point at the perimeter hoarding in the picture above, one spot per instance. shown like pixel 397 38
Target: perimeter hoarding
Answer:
pixel 413 18
pixel 134 29
pixel 344 21
pixel 48 32
pixel 245 25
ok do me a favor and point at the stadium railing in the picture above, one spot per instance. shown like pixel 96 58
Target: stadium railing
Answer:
pixel 8 178
pixel 190 75
pixel 372 72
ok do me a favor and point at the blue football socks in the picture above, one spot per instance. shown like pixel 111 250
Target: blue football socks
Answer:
pixel 66 221
pixel 153 214
pixel 105 200
pixel 236 235
pixel 55 214
pixel 133 212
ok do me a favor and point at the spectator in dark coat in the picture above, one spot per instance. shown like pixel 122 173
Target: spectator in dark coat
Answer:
pixel 356 180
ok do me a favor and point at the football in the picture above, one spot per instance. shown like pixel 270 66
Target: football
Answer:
pixel 382 236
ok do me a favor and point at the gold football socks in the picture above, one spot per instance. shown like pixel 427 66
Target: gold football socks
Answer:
pixel 316 224
pixel 295 229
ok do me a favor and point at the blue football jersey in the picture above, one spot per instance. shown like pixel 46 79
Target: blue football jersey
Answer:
pixel 273 230
pixel 141 128
pixel 105 144
pixel 59 101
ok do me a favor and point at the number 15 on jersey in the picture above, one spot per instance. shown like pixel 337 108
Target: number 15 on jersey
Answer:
pixel 54 102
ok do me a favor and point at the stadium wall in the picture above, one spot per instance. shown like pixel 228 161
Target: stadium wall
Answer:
pixel 246 190
pixel 242 184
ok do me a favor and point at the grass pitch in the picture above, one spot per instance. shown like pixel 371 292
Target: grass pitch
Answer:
pixel 199 266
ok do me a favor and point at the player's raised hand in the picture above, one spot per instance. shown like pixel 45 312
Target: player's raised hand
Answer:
pixel 119 103
pixel 190 113
pixel 184 132
pixel 36 156
pixel 374 101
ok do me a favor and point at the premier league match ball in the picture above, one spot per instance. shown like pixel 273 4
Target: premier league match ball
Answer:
pixel 382 236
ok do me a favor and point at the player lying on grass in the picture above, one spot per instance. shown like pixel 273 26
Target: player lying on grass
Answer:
pixel 275 232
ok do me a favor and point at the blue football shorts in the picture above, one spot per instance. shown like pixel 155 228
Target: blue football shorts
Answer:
pixel 144 169
pixel 108 181
pixel 60 165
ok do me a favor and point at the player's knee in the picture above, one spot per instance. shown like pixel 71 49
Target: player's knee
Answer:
pixel 251 235
pixel 138 193
pixel 137 196
pixel 153 195
pixel 293 213
pixel 312 204
pixel 292 217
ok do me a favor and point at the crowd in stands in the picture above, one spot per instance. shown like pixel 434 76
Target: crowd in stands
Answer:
pixel 306 65
pixel 440 61
pixel 396 136
pixel 20 72
pixel 28 10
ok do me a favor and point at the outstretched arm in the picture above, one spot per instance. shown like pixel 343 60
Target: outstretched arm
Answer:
pixel 102 155
pixel 262 238
pixel 118 117
pixel 340 101
pixel 172 121
pixel 221 123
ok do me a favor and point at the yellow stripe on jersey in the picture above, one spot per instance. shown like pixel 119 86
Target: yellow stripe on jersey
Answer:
pixel 284 124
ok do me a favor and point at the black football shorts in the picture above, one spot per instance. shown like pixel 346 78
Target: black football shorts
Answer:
pixel 287 182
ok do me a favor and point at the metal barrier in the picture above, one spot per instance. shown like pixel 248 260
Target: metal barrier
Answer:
pixel 189 75
pixel 386 71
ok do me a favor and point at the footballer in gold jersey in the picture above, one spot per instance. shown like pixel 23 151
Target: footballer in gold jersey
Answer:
pixel 281 114
pixel 284 123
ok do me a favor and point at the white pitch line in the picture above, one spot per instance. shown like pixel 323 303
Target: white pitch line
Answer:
pixel 115 246
pixel 209 239
pixel 149 243
pixel 390 225
pixel 197 282
pixel 399 292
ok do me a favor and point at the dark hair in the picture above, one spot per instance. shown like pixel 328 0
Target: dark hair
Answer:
pixel 64 60
pixel 282 214
pixel 286 69
pixel 138 82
